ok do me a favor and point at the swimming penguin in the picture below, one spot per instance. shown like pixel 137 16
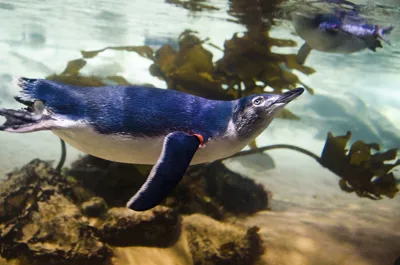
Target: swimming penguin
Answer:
pixel 336 33
pixel 131 124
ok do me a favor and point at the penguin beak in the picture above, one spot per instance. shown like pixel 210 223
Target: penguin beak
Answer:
pixel 289 96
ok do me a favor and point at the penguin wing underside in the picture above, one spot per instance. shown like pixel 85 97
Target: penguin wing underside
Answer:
pixel 177 153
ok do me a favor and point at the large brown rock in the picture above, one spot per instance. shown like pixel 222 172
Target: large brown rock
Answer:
pixel 157 227
pixel 215 243
pixel 40 223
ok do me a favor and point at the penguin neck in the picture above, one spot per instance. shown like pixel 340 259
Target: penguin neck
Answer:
pixel 249 125
pixel 248 132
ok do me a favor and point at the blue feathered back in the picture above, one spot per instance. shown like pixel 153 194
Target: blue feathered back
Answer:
pixel 131 110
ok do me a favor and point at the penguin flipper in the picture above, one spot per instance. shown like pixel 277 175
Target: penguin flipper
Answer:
pixel 303 53
pixel 178 150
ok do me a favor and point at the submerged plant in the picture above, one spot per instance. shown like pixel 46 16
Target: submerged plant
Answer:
pixel 193 5
pixel 362 171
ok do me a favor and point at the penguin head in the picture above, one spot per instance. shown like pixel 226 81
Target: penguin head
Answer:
pixel 252 114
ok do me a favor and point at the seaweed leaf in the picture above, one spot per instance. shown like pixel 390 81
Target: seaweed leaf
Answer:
pixel 246 60
pixel 192 5
pixel 287 114
pixel 361 171
pixel 190 69
pixel 74 66
pixel 334 151
pixel 77 80
pixel 118 80
pixel 144 51
pixel 253 144
pixel 291 62
pixel 282 42
pixel 249 59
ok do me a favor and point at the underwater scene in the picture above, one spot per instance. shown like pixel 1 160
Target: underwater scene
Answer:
pixel 200 132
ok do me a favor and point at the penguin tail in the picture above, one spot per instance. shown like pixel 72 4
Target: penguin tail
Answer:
pixel 32 90
pixel 56 98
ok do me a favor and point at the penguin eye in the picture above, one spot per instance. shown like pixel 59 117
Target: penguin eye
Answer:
pixel 257 101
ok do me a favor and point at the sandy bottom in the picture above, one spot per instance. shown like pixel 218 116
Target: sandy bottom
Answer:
pixel 313 222
pixel 178 254
pixel 346 236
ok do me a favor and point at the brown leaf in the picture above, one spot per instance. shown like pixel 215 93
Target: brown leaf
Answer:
pixel 287 114
pixel 118 79
pixel 197 84
pixel 195 59
pixel 192 5
pixel 388 155
pixel 190 69
pixel 333 154
pixel 309 89
pixel 361 171
pixel 74 66
pixel 384 185
pixel 164 61
pixel 253 144
pixel 144 51
pixel 359 153
pixel 249 59
pixel 291 62
pixel 282 42
pixel 77 80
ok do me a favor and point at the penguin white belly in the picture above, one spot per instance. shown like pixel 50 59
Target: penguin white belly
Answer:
pixel 127 149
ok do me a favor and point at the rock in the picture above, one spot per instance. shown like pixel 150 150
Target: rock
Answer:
pixel 236 193
pixel 159 227
pixel 39 223
pixel 114 182
pixel 210 189
pixel 190 195
pixel 36 179
pixel 94 207
pixel 214 243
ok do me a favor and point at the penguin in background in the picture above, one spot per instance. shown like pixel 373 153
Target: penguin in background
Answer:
pixel 338 32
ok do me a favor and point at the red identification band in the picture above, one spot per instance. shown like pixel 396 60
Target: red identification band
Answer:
pixel 201 139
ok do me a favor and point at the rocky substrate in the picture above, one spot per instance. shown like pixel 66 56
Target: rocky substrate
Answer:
pixel 211 189
pixel 78 217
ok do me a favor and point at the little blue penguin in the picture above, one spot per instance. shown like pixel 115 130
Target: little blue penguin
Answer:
pixel 336 33
pixel 141 125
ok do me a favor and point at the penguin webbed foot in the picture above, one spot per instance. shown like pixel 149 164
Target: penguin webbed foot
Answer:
pixel 27 102
pixel 17 120
pixel 385 31
pixel 178 150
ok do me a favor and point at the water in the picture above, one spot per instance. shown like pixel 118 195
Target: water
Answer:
pixel 310 220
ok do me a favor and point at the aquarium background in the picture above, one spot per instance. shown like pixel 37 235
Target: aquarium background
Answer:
pixel 311 220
